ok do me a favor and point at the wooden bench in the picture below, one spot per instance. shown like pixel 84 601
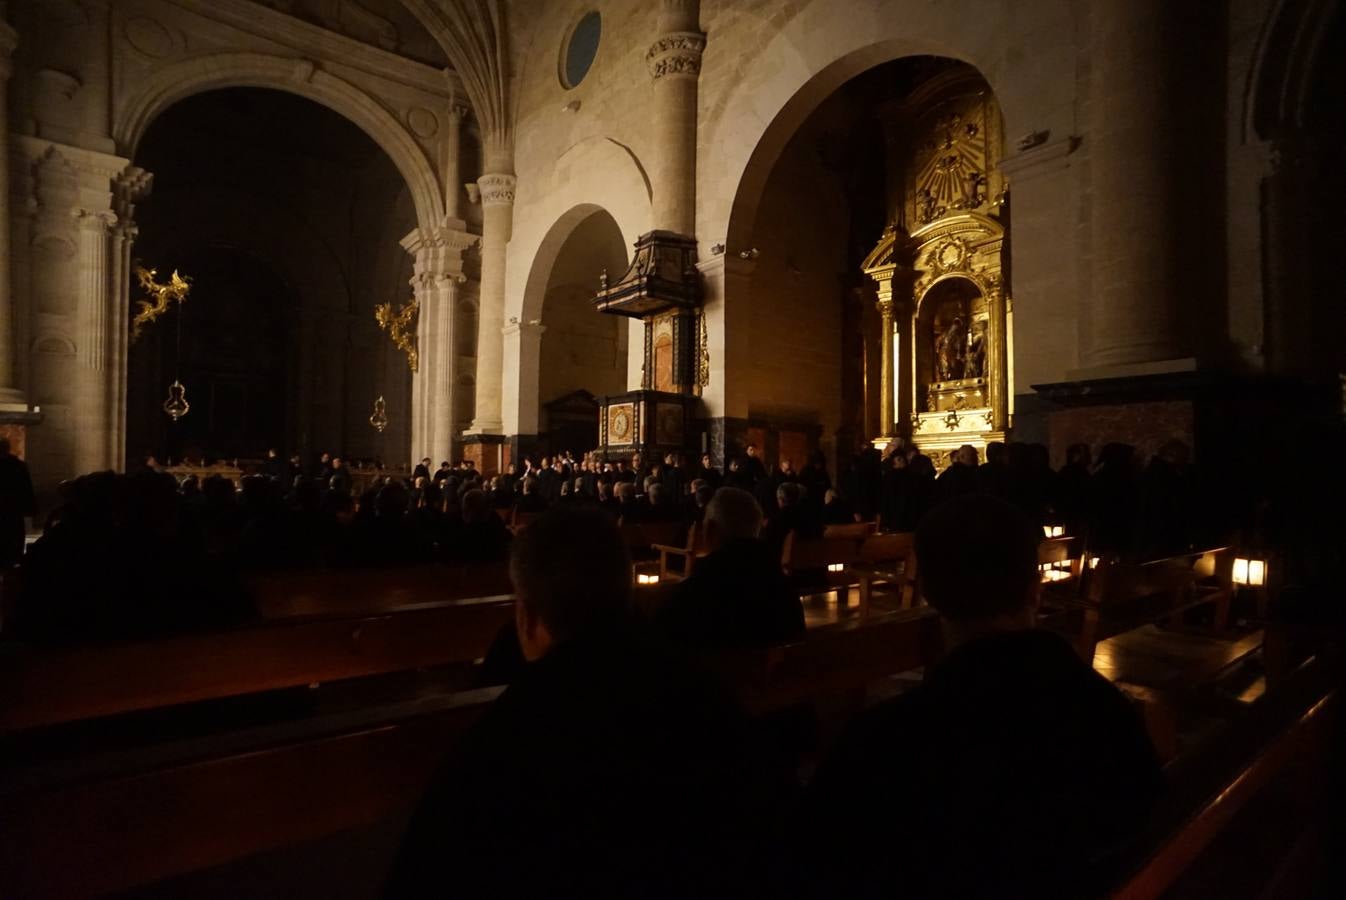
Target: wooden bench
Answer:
pixel 855 531
pixel 48 685
pixel 1285 737
pixel 1118 597
pixel 96 826
pixel 891 559
pixel 693 548
pixel 811 563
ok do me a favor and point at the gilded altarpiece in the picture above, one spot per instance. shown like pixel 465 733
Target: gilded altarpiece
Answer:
pixel 943 297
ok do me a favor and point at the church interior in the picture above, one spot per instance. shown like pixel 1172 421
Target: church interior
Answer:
pixel 672 448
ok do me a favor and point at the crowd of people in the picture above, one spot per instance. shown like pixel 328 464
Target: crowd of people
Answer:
pixel 150 535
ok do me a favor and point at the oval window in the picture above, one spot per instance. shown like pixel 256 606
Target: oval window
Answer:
pixel 581 49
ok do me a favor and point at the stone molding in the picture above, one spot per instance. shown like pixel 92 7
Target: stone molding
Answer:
pixel 677 54
pixel 497 189
pixel 270 25
pixel 1040 159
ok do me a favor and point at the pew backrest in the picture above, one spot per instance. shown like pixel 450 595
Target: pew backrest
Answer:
pixel 856 531
pixel 49 685
pixel 812 554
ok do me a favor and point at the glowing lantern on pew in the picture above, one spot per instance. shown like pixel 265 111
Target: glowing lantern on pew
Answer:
pixel 836 567
pixel 646 579
pixel 1054 531
pixel 1250 572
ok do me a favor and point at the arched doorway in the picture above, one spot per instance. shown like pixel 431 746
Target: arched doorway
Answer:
pixel 288 217
pixel 583 353
pixel 904 193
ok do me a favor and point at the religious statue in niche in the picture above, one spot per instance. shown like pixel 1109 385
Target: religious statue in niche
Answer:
pixel 951 350
pixel 974 365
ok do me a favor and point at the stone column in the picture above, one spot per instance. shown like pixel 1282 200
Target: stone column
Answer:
pixel 497 201
pixel 674 61
pixel 127 188
pixel 1135 318
pixel 522 381
pixel 438 272
pixel 92 338
pixel 10 395
pixel 450 162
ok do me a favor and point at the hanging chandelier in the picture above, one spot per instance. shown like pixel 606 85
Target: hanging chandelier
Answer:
pixel 380 417
pixel 176 405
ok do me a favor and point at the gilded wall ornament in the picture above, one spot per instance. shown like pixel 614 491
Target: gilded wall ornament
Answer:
pixel 162 297
pixel 401 327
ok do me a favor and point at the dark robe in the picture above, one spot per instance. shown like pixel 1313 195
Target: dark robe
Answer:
pixel 955 481
pixel 1011 769
pixel 16 502
pixel 735 597
pixel 606 769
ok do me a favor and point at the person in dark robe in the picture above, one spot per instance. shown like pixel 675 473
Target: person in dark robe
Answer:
pixel 815 479
pixel 993 476
pixel 340 479
pixel 608 767
pixel 837 510
pixel 792 515
pixel 708 473
pixel 275 468
pixel 530 499
pixel 422 470
pixel 751 464
pixel 1012 770
pixel 1114 507
pixel 481 535
pixel 1073 490
pixel 17 501
pixel 736 596
pixel 322 469
pixel 961 476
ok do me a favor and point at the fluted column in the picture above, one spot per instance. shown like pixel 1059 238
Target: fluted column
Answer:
pixel 92 339
pixel 1135 316
pixel 450 162
pixel 10 395
pixel 674 61
pixel 438 272
pixel 497 201
pixel 127 189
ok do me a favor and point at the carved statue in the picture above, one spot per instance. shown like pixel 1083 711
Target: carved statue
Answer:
pixel 975 364
pixel 951 350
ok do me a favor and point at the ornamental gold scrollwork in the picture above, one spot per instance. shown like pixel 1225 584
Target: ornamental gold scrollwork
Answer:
pixel 401 328
pixel 162 297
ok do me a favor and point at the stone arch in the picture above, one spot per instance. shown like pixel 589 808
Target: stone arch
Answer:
pixel 180 80
pixel 1286 65
pixel 602 174
pixel 545 262
pixel 817 52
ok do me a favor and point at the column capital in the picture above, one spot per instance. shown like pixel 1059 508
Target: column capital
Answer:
pixel 677 54
pixel 497 189
pixel 95 219
pixel 439 254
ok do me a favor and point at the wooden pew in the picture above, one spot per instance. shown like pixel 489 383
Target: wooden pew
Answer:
pixel 693 549
pixel 890 559
pixel 284 595
pixel 49 685
pixel 807 562
pixel 195 805
pixel 83 829
pixel 1284 738
pixel 1118 597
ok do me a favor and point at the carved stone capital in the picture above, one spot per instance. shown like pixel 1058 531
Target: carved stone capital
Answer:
pixel 497 189
pixel 100 220
pixel 677 54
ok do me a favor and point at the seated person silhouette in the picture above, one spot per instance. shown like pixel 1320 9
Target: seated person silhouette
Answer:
pixel 736 596
pixel 608 768
pixel 1011 770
